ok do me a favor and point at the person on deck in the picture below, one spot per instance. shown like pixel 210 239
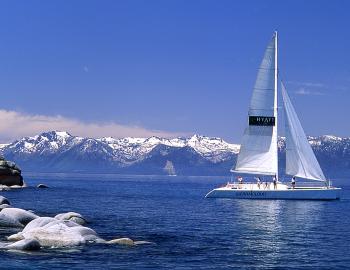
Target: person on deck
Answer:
pixel 274 180
pixel 293 182
pixel 258 182
pixel 240 181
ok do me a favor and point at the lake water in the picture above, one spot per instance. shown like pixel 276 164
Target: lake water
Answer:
pixel 189 231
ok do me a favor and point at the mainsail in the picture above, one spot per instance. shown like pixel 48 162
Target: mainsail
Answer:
pixel 258 153
pixel 300 159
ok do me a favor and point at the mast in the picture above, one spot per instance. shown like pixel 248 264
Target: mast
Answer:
pixel 276 99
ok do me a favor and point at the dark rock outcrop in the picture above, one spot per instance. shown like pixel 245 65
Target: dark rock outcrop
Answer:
pixel 4 200
pixel 10 173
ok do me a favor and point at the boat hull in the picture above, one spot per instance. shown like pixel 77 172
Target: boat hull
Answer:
pixel 288 194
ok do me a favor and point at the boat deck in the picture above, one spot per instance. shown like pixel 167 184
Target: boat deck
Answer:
pixel 270 186
pixel 268 191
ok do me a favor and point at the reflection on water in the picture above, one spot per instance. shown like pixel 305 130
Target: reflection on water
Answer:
pixel 275 230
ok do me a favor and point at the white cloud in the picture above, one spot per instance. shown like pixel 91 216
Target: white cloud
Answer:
pixel 303 91
pixel 309 88
pixel 316 88
pixel 15 125
pixel 309 84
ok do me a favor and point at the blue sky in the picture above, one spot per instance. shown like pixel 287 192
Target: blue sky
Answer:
pixel 168 68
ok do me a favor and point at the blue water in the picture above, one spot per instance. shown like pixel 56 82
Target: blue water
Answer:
pixel 189 231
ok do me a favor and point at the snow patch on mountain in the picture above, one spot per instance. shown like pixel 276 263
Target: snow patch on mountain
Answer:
pixel 48 142
pixel 3 145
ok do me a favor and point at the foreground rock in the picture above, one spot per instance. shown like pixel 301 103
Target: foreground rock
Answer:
pixel 15 217
pixel 4 200
pixel 3 206
pixel 24 245
pixel 72 216
pixel 4 203
pixel 64 230
pixel 122 241
pixel 125 241
pixel 50 232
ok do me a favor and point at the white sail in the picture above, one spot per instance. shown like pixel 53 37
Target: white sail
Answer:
pixel 258 152
pixel 300 159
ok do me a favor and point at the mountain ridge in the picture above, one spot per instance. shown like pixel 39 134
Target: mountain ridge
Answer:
pixel 59 151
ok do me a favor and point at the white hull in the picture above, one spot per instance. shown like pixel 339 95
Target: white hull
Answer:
pixel 281 193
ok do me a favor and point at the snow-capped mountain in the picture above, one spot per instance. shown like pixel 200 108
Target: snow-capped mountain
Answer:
pixel 132 149
pixel 59 151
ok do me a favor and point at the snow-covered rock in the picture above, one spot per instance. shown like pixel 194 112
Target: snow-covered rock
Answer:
pixel 122 241
pixel 72 216
pixel 37 223
pixel 24 245
pixel 42 186
pixel 3 206
pixel 50 232
pixel 15 217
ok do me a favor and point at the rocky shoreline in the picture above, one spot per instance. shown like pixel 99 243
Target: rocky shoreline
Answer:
pixel 36 232
pixel 61 231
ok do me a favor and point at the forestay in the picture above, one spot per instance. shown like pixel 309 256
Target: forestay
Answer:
pixel 300 159
pixel 258 153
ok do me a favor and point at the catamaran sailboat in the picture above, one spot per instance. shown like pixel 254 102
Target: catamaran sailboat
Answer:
pixel 258 154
